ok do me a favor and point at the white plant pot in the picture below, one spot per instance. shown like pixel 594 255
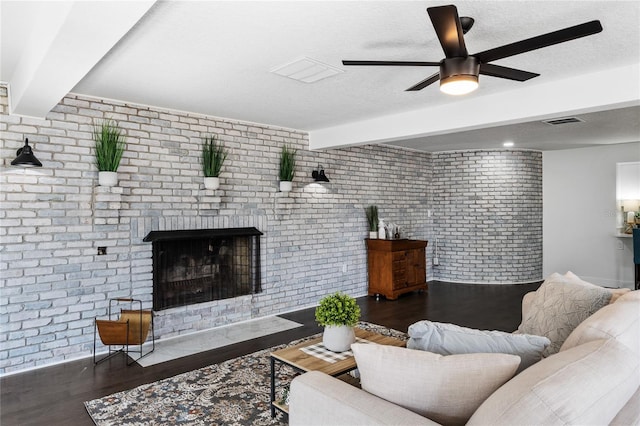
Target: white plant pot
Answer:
pixel 286 185
pixel 212 182
pixel 107 178
pixel 373 235
pixel 338 338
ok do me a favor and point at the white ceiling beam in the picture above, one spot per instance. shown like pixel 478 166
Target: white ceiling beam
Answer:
pixel 610 89
pixel 55 58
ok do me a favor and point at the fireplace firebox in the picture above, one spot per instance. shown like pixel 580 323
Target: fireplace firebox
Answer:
pixel 197 266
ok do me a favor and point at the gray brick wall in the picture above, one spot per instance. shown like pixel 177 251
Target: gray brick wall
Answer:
pixel 53 219
pixel 488 215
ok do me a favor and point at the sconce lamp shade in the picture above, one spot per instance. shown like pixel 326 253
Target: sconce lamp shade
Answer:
pixel 25 157
pixel 319 176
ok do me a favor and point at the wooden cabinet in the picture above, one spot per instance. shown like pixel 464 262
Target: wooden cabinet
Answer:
pixel 396 267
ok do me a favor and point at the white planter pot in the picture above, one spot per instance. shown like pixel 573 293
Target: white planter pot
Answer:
pixel 373 235
pixel 286 186
pixel 338 338
pixel 212 182
pixel 107 178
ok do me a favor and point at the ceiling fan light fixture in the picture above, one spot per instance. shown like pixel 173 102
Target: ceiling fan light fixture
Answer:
pixel 459 76
pixel 459 84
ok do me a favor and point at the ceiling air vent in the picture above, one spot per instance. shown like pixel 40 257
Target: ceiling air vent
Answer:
pixel 565 120
pixel 306 70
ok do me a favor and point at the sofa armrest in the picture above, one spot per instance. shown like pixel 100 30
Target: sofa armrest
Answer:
pixel 319 399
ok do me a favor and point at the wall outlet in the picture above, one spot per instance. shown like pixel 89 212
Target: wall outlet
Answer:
pixel 620 245
pixel 436 261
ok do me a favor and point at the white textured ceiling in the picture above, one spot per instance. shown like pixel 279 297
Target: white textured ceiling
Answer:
pixel 214 57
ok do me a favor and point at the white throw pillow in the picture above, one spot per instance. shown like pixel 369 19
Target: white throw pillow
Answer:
pixel 445 389
pixel 451 339
pixel 558 306
pixel 619 320
pixel 585 385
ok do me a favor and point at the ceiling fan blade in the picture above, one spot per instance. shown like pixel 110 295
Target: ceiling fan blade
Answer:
pixel 394 63
pixel 447 25
pixel 508 73
pixel 544 40
pixel 424 83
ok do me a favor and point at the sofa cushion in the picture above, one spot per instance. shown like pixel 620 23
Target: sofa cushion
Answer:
pixel 630 413
pixel 558 306
pixel 451 339
pixel 319 399
pixel 445 389
pixel 619 320
pixel 587 384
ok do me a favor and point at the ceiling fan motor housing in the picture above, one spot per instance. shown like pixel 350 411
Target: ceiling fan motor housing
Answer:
pixel 452 67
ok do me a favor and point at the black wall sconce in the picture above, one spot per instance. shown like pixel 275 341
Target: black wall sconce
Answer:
pixel 318 175
pixel 25 157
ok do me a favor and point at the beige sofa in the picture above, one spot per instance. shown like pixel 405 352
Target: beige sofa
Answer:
pixel 594 378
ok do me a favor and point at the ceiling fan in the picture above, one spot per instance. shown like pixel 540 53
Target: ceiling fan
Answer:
pixel 459 71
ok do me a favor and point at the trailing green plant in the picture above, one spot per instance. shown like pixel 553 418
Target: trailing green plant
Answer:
pixel 372 217
pixel 213 156
pixel 338 309
pixel 109 146
pixel 287 163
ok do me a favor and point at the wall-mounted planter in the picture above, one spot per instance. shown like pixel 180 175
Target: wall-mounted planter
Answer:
pixel 286 185
pixel 107 179
pixel 211 183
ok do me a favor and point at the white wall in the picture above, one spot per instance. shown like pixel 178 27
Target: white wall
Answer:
pixel 579 214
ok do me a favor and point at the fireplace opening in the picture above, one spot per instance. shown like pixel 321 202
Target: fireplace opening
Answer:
pixel 199 266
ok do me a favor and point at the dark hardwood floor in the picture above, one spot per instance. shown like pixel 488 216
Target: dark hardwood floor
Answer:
pixel 55 395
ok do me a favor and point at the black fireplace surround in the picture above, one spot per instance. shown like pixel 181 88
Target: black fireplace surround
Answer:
pixel 196 266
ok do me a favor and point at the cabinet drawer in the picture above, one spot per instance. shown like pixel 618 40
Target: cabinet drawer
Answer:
pixel 398 255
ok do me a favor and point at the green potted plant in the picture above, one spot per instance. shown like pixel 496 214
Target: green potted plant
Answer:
pixel 287 168
pixel 213 156
pixel 338 314
pixel 372 220
pixel 109 148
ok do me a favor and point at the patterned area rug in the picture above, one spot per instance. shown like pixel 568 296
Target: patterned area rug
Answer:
pixel 234 392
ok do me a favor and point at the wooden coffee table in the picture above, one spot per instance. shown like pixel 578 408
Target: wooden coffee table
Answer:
pixel 302 362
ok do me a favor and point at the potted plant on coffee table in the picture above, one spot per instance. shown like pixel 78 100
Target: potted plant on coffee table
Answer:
pixel 338 314
pixel 372 220
pixel 287 168
pixel 213 156
pixel 109 148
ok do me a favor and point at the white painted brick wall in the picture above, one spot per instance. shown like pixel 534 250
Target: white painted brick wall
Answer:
pixel 52 220
pixel 487 214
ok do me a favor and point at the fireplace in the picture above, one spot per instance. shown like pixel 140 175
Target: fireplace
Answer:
pixel 199 266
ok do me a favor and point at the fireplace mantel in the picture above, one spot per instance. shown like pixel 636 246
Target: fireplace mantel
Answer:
pixel 201 233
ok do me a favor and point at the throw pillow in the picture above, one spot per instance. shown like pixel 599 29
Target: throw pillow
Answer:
pixel 585 385
pixel 615 292
pixel 445 389
pixel 558 306
pixel 450 339
pixel 619 320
